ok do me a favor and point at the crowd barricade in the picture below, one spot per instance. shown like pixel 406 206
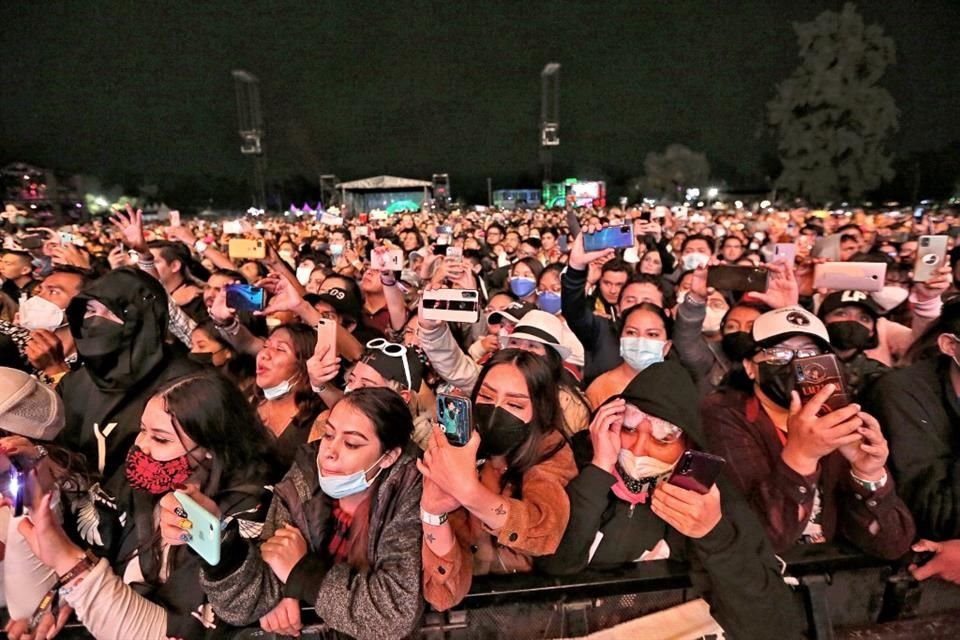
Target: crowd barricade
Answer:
pixel 844 594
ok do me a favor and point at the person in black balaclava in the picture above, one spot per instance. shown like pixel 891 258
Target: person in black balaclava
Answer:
pixel 851 319
pixel 622 512
pixel 119 325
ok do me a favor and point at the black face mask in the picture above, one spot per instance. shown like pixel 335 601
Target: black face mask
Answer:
pixel 205 359
pixel 500 431
pixel 98 343
pixel 737 345
pixel 776 381
pixel 849 334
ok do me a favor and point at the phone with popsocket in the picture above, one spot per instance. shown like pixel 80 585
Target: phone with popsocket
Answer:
pixel 389 260
pixel 931 255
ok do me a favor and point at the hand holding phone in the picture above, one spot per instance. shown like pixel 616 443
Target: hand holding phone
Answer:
pixel 204 534
pixel 731 278
pixel 615 237
pixel 245 297
pixel 455 415
pixel 327 339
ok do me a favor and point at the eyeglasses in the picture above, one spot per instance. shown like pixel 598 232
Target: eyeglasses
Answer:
pixel 782 355
pixel 662 431
pixel 393 350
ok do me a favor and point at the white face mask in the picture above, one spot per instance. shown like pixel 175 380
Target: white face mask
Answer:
pixel 280 390
pixel 39 313
pixel 303 273
pixel 713 320
pixel 638 467
pixel 693 261
pixel 640 353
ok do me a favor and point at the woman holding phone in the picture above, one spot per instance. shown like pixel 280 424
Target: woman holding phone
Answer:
pixel 497 502
pixel 624 508
pixel 342 534
pixel 188 442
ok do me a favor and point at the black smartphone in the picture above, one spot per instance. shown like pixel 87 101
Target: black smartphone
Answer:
pixel 814 373
pixel 731 278
pixel 245 297
pixel 454 414
pixel 696 471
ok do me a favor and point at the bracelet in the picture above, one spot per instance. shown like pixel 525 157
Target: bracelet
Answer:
pixel 87 562
pixel 319 389
pixel 869 485
pixel 230 328
pixel 694 298
pixel 434 520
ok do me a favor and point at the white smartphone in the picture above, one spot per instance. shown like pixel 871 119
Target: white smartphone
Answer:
pixel 850 276
pixel 391 260
pixel 785 252
pixel 931 254
pixel 451 305
pixel 327 335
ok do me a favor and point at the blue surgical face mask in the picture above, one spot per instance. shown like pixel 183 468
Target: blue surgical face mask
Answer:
pixel 522 287
pixel 282 389
pixel 342 486
pixel 693 261
pixel 640 353
pixel 549 301
pixel 336 249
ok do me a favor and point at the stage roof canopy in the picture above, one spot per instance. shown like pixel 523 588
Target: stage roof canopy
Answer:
pixel 384 183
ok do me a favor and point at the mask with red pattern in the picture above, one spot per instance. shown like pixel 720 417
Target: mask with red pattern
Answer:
pixel 156 477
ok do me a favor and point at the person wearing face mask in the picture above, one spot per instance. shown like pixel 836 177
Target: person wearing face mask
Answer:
pixel 851 320
pixel 124 567
pixel 40 342
pixel 496 503
pixel 524 275
pixel 118 324
pixel 622 511
pixel 285 402
pixel 644 340
pixel 810 476
pixel 342 534
pixel 919 407
pixel 549 291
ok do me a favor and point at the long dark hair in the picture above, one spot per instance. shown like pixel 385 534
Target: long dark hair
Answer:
pixel 925 347
pixel 650 308
pixel 204 405
pixel 393 424
pixel 542 389
pixel 309 404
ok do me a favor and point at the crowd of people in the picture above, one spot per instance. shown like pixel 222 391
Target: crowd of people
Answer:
pixel 136 392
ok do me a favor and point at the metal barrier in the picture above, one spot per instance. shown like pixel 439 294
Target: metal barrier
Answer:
pixel 840 589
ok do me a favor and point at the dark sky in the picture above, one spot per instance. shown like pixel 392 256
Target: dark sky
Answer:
pixel 357 89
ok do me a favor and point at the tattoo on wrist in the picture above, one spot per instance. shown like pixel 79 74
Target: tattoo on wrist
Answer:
pixel 500 511
pixel 430 537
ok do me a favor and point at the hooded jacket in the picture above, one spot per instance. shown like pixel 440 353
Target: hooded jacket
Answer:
pixel 121 367
pixel 733 566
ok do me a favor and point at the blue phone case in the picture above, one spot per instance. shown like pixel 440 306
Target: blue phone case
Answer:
pixel 205 531
pixel 616 237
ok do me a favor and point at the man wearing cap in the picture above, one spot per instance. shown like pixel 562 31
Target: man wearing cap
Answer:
pixel 851 319
pixel 811 478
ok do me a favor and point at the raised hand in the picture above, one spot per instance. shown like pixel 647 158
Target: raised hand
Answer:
pixel 130 226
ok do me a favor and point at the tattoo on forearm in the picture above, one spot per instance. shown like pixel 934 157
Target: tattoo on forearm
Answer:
pixel 500 511
pixel 431 537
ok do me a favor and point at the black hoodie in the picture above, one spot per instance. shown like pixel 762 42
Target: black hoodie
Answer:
pixel 733 566
pixel 122 367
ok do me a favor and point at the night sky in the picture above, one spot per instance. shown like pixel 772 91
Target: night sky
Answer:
pixel 356 90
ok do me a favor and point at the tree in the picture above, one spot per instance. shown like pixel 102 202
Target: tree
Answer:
pixel 672 172
pixel 831 116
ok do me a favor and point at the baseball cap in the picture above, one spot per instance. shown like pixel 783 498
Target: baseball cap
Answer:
pixel 28 407
pixel 780 324
pixel 514 312
pixel 342 301
pixel 839 299
pixel 540 326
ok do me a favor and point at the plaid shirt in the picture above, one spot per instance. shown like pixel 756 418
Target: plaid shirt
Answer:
pixel 339 546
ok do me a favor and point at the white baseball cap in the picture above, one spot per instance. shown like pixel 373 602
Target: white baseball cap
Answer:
pixel 780 324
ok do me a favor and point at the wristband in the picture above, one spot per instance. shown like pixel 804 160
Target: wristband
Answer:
pixel 87 562
pixel 869 485
pixel 434 520
pixel 200 246
pixel 320 389
pixel 694 298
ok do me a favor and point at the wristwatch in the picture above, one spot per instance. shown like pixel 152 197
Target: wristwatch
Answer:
pixel 320 389
pixel 434 520
pixel 870 485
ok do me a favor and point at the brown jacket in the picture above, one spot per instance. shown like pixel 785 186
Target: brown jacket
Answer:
pixel 738 429
pixel 534 527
